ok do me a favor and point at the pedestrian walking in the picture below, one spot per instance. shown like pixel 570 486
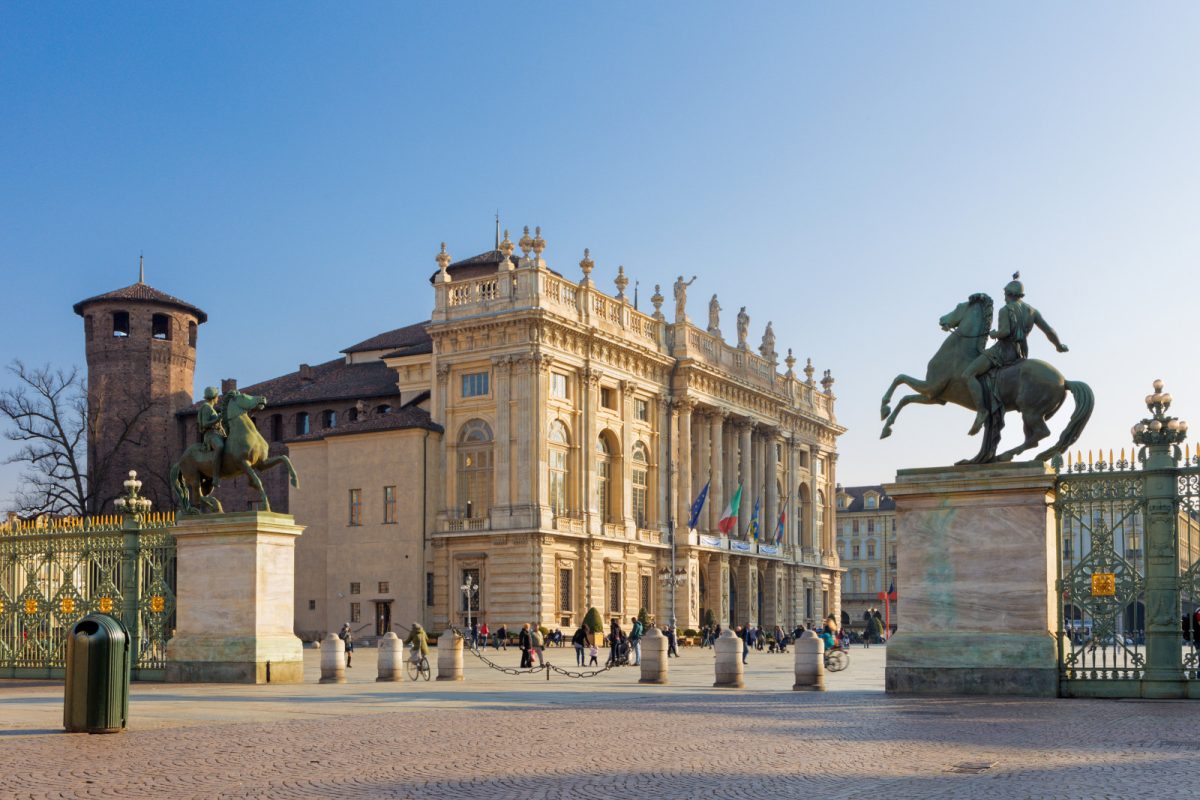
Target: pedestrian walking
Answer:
pixel 741 633
pixel 483 636
pixel 502 637
pixel 539 645
pixel 636 629
pixel 347 636
pixel 579 640
pixel 595 652
pixel 525 643
pixel 672 641
pixel 615 635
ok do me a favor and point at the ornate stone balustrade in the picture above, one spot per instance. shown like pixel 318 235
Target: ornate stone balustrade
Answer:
pixel 473 524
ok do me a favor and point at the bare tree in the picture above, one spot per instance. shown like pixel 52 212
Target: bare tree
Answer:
pixel 47 414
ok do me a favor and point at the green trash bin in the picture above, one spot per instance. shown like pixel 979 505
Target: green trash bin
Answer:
pixel 97 690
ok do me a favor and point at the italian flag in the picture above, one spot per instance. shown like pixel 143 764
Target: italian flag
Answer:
pixel 728 521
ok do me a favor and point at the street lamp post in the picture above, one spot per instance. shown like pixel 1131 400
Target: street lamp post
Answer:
pixel 469 588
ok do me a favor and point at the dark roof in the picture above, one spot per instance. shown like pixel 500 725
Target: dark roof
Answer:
pixel 333 380
pixel 886 503
pixel 408 417
pixel 142 293
pixel 477 266
pixel 409 340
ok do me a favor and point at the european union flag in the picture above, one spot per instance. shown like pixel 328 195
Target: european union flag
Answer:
pixel 697 506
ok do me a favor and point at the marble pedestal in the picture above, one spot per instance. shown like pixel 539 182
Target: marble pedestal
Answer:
pixel 974 581
pixel 235 599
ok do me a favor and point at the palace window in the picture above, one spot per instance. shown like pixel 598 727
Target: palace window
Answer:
pixel 558 456
pixel 470 600
pixel 389 504
pixel 646 597
pixel 428 588
pixel 355 507
pixel 614 592
pixel 120 323
pixel 608 397
pixel 558 385
pixel 854 552
pixel 475 384
pixel 312 605
pixel 355 588
pixel 854 526
pixel 160 327
pixel 475 469
pixel 356 612
pixel 385 587
pixel 819 515
pixel 565 579
pixel 641 485
pixel 872 501
pixel 870 549
pixel 641 410
pixel 606 500
pixel 870 526
pixel 302 423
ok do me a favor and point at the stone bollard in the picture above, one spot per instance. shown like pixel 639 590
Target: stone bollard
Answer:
pixel 333 660
pixel 729 660
pixel 450 656
pixel 391 658
pixel 810 663
pixel 654 657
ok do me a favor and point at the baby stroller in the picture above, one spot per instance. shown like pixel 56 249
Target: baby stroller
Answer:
pixel 778 647
pixel 621 654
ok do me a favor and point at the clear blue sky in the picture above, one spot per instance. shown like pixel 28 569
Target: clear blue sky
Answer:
pixel 850 173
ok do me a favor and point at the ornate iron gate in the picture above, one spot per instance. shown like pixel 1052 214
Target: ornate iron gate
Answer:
pixel 1128 566
pixel 52 575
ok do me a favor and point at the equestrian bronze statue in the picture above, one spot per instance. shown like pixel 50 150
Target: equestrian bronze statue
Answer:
pixel 994 380
pixel 232 446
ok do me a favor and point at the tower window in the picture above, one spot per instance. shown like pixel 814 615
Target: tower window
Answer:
pixel 121 323
pixel 277 427
pixel 191 334
pixel 87 327
pixel 160 327
pixel 302 423
pixel 329 419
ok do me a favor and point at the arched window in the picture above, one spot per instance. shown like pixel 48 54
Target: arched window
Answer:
pixel 121 323
pixel 191 334
pixel 302 423
pixel 160 327
pixel 276 427
pixel 329 418
pixel 383 408
pixel 803 532
pixel 641 484
pixel 607 494
pixel 474 469
pixel 87 327
pixel 559 444
pixel 352 414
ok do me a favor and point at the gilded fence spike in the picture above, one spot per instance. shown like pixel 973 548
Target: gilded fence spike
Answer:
pixel 1089 458
pixel 1110 457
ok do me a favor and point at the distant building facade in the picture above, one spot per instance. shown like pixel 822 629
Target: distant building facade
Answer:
pixel 866 543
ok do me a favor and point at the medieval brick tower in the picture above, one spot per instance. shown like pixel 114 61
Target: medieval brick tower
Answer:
pixel 141 355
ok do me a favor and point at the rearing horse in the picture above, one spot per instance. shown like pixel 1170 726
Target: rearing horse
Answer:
pixel 245 453
pixel 1031 387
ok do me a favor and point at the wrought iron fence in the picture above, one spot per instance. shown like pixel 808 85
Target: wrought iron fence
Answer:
pixel 52 575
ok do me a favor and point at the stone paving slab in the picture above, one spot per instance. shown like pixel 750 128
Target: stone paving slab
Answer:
pixel 495 736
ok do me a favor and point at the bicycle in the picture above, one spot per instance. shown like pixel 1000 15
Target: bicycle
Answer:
pixel 836 659
pixel 418 666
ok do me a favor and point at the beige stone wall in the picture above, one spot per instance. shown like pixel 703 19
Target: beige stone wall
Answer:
pixel 334 554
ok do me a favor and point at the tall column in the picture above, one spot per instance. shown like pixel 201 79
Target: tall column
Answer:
pixel 745 446
pixel 663 474
pixel 729 443
pixel 440 406
pixel 587 449
pixel 627 390
pixel 525 375
pixel 772 470
pixel 684 452
pixel 831 481
pixel 703 462
pixel 716 492
pixel 502 467
pixel 759 473
pixel 537 410
pixel 790 488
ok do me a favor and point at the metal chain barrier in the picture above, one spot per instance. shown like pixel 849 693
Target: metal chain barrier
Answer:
pixel 546 665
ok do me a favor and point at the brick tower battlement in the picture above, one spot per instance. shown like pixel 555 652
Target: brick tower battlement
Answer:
pixel 141 357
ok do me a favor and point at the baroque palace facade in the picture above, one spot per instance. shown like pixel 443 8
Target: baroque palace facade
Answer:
pixel 544 441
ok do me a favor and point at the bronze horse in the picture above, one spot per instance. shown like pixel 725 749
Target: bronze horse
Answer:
pixel 1031 387
pixel 245 453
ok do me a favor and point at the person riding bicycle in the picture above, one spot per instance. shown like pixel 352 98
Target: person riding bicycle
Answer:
pixel 827 636
pixel 419 642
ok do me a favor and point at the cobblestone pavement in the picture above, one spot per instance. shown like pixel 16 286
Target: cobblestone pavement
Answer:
pixel 510 737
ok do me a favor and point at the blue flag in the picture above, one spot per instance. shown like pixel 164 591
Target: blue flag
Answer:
pixel 752 531
pixel 697 506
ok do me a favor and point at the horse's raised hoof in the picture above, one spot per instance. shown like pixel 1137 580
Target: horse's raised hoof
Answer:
pixel 886 432
pixel 885 412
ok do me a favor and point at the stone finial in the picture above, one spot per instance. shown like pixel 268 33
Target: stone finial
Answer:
pixel 443 261
pixel 808 372
pixel 587 265
pixel 827 381
pixel 525 243
pixel 539 244
pixel 791 364
pixel 505 246
pixel 621 281
pixel 656 300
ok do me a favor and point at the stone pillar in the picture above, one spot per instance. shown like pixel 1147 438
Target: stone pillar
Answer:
pixel 740 568
pixel 333 659
pixel 502 466
pixel 684 452
pixel 810 663
pixel 450 656
pixel 587 453
pixel 771 615
pixel 716 468
pixel 728 667
pixel 703 466
pixel 628 388
pixel 235 599
pixel 723 590
pixel 391 658
pixel 975 581
pixel 441 410
pixel 663 474
pixel 523 379
pixel 745 475
pixel 772 489
pixel 654 657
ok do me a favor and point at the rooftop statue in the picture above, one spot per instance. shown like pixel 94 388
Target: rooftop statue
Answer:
pixel 743 327
pixel 232 446
pixel 681 287
pixel 767 348
pixel 997 379
pixel 714 317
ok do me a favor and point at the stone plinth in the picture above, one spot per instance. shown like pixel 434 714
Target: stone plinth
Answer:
pixel 809 664
pixel 391 658
pixel 235 597
pixel 333 660
pixel 450 656
pixel 654 657
pixel 727 667
pixel 974 581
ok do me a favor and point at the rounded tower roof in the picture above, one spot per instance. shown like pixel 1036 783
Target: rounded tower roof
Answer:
pixel 142 293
